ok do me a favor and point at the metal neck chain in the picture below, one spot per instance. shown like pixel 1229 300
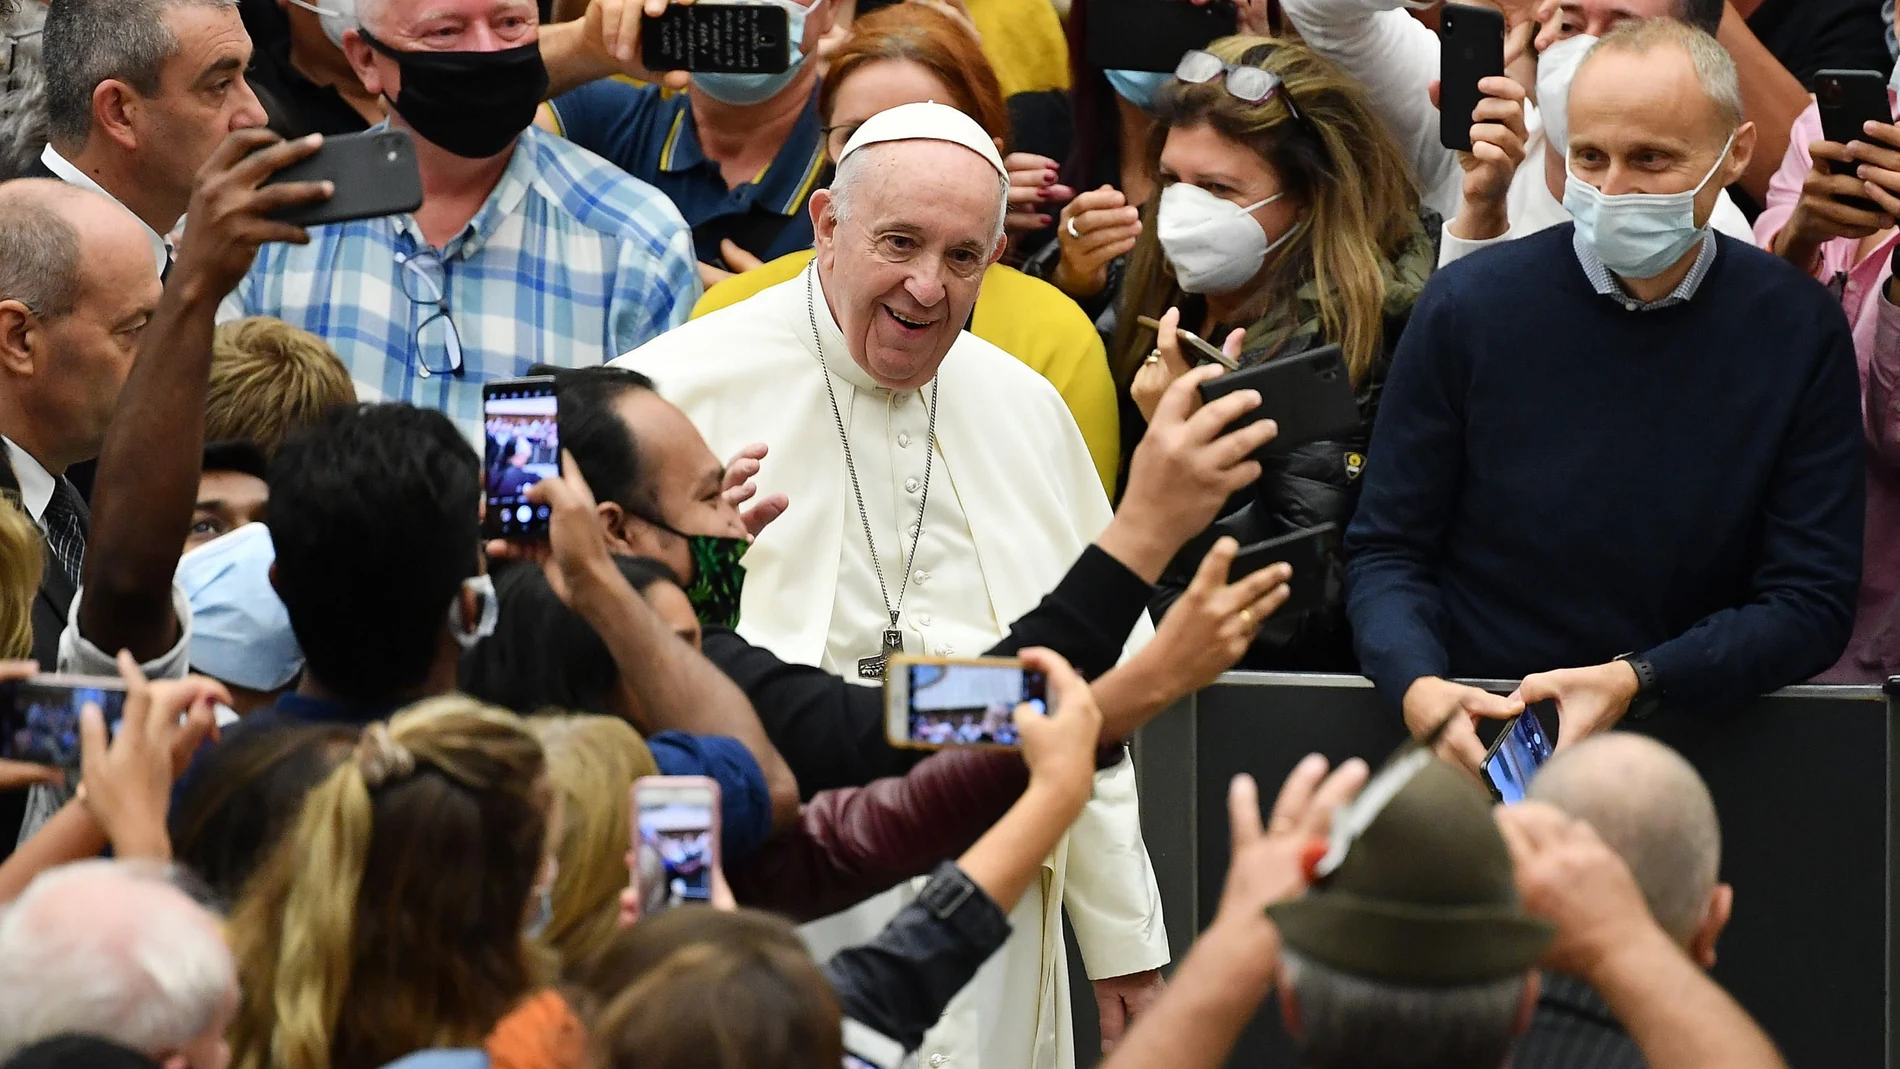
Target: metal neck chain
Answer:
pixel 850 466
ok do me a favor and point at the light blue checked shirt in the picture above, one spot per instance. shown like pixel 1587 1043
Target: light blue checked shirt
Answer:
pixel 570 262
pixel 1605 282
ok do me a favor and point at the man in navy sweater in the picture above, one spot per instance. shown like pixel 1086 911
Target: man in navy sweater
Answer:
pixel 1620 459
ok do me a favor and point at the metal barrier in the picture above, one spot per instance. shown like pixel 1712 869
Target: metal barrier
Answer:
pixel 1800 779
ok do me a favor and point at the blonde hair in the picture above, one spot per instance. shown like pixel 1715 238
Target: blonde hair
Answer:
pixel 592 763
pixel 389 920
pixel 269 378
pixel 1338 159
pixel 21 561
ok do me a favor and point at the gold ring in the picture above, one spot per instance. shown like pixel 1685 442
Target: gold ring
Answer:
pixel 1154 357
pixel 1246 618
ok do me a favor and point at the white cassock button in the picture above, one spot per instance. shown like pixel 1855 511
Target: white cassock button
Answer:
pixel 910 485
pixel 920 575
pixel 900 398
pixel 946 650
pixel 903 441
pixel 938 1059
pixel 923 620
pixel 913 531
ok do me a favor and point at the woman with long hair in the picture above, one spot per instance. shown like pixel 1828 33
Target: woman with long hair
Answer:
pixel 396 914
pixel 1287 219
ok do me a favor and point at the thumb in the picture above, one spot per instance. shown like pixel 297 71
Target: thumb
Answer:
pixel 93 740
pixel 1535 688
pixel 1243 812
pixel 1496 706
pixel 1214 569
pixel 1431 90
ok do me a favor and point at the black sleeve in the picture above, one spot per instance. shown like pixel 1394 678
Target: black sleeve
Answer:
pixel 900 982
pixel 1086 618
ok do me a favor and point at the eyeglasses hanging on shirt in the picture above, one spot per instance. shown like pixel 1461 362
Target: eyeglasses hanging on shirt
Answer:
pixel 425 281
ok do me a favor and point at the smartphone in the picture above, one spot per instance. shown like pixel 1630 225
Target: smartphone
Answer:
pixel 1312 554
pixel 521 429
pixel 1470 48
pixel 1847 101
pixel 1152 35
pixel 932 702
pixel 1515 757
pixel 709 37
pixel 375 174
pixel 1204 351
pixel 1308 394
pixel 867 1048
pixel 676 836
pixel 39 717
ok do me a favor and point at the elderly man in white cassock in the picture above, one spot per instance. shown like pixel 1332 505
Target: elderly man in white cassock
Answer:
pixel 938 489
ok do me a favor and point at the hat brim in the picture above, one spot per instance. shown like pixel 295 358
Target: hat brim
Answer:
pixel 1400 943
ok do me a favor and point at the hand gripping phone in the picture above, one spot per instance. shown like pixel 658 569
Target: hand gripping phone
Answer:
pixel 1310 552
pixel 39 717
pixel 1521 748
pixel 521 432
pixel 675 840
pixel 1308 394
pixel 722 38
pixel 1471 48
pixel 933 702
pixel 1848 101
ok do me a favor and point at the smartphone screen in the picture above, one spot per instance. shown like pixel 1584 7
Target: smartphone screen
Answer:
pixel 970 704
pixel 1515 758
pixel 39 717
pixel 728 38
pixel 522 428
pixel 678 826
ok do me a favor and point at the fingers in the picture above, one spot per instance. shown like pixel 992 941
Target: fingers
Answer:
pixel 761 515
pixel 1342 786
pixel 1296 794
pixel 575 480
pixel 1064 682
pixel 1213 570
pixel 1243 808
pixel 1498 706
pixel 93 740
pixel 1215 416
pixel 1231 347
pixel 743 467
pixel 16 670
pixel 740 494
pixel 1277 591
pixel 737 258
pixel 1168 342
pixel 241 144
pixel 252 170
pixel 1182 398
pixel 1242 443
pixel 1879 194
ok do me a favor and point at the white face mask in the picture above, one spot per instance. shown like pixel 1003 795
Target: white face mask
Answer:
pixel 1214 245
pixel 1637 235
pixel 483 587
pixel 1555 70
pixel 338 17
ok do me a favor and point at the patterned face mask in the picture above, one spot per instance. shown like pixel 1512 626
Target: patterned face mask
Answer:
pixel 718 578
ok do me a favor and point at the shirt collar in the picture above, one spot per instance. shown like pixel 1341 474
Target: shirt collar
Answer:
pixel 1605 282
pixel 500 205
pixel 36 483
pixel 324 711
pixel 836 350
pixel 784 183
pixel 71 175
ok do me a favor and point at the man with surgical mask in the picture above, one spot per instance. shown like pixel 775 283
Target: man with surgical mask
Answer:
pixel 525 250
pixel 1619 461
pixel 1512 184
pixel 738 153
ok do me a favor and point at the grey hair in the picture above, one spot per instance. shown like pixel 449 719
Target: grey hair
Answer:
pixel 1652 808
pixel 39 254
pixel 92 41
pixel 112 949
pixel 1714 67
pixel 1349 1022
pixel 844 186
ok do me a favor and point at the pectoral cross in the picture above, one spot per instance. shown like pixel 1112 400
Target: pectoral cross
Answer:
pixel 873 667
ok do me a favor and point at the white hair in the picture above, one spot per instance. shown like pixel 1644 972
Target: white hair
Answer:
pixel 112 949
pixel 844 186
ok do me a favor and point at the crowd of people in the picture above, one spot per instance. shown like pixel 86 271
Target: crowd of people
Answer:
pixel 897 351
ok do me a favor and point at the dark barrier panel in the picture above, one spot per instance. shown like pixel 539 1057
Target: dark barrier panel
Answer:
pixel 1799 778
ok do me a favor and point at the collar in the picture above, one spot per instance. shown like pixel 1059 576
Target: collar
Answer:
pixel 1605 282
pixel 837 351
pixel 324 711
pixel 36 483
pixel 782 186
pixel 523 167
pixel 71 175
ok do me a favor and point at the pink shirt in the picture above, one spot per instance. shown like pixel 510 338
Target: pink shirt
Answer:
pixel 1874 652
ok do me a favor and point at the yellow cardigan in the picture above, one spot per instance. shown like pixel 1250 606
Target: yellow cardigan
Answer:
pixel 1023 316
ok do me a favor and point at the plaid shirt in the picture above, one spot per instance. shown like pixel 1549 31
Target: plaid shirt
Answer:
pixel 570 262
pixel 1605 282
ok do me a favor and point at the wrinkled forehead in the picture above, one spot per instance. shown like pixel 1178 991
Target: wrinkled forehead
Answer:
pixel 933 184
pixel 1624 98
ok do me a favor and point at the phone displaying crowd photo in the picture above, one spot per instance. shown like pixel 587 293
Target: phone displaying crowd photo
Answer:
pixel 934 702
pixel 522 431
pixel 39 717
pixel 1515 757
pixel 676 828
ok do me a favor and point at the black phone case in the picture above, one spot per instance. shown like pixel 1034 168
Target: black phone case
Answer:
pixel 1152 35
pixel 1847 100
pixel 1310 552
pixel 716 38
pixel 374 172
pixel 1471 47
pixel 1308 394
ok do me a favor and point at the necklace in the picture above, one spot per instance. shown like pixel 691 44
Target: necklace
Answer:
pixel 872 667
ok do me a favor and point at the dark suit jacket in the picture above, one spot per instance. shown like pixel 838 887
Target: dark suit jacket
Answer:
pixel 1574 1028
pixel 38 169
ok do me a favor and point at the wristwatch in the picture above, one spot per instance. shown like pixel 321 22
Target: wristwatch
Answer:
pixel 1649 693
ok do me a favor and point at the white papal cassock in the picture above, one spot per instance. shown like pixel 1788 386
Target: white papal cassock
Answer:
pixel 1013 500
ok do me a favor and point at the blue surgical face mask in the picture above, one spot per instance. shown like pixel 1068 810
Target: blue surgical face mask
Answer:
pixel 1637 235
pixel 740 90
pixel 1138 87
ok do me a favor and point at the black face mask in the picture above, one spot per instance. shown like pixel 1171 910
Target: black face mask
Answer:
pixel 470 103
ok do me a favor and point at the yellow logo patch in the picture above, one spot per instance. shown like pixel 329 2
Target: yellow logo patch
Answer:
pixel 1355 463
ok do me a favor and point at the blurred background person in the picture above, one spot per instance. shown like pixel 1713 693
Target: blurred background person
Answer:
pixel 267 379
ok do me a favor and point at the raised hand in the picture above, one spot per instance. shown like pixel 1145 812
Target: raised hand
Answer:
pixel 1096 227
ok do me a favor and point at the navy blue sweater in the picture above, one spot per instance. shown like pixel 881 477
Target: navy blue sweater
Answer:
pixel 1555 480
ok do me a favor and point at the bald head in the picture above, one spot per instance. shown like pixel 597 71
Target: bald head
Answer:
pixel 112 949
pixel 1653 810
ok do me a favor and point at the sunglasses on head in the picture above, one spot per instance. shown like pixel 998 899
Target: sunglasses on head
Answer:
pixel 1250 85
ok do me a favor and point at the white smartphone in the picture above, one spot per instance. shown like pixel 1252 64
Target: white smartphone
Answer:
pixel 933 702
pixel 676 838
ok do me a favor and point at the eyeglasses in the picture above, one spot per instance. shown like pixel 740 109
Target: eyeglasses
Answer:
pixel 13 57
pixel 838 136
pixel 424 279
pixel 1249 85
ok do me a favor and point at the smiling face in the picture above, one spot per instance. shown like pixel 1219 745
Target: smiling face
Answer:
pixel 901 271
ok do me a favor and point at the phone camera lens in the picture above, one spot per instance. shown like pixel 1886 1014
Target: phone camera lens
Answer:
pixel 1830 94
pixel 390 155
